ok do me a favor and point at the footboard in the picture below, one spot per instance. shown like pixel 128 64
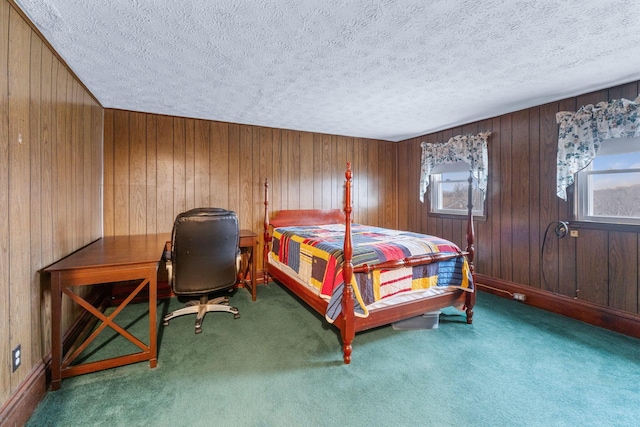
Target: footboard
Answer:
pixel 347 321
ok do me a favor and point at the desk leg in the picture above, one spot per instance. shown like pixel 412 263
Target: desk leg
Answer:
pixel 248 263
pixel 153 320
pixel 56 338
pixel 253 274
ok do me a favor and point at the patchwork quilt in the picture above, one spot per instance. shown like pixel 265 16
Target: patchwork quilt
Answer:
pixel 315 253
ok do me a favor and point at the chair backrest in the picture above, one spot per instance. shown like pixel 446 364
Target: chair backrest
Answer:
pixel 205 246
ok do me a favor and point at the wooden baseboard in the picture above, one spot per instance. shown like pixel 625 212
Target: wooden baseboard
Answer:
pixel 605 317
pixel 21 404
pixel 122 291
pixel 18 409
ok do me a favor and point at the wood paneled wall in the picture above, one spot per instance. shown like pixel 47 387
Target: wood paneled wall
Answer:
pixel 600 266
pixel 157 166
pixel 50 183
pixel 51 178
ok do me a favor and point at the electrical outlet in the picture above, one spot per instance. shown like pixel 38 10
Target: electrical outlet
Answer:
pixel 519 297
pixel 16 357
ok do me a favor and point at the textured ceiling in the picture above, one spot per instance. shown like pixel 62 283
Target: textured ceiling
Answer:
pixel 383 69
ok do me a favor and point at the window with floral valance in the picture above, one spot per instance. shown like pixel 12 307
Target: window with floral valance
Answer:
pixel 581 134
pixel 469 148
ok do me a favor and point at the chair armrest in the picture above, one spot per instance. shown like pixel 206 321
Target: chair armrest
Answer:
pixel 167 256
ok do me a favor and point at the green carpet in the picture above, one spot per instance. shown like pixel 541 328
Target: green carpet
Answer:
pixel 280 365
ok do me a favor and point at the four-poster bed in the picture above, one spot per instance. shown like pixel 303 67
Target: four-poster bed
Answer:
pixel 344 305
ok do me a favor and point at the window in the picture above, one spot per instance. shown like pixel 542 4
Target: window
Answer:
pixel 608 190
pixel 450 190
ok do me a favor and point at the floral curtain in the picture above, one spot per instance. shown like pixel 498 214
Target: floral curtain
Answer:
pixel 581 134
pixel 462 148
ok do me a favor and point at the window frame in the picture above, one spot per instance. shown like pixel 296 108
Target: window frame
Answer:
pixel 583 196
pixel 435 198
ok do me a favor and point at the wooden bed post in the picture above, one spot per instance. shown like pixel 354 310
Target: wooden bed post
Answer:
pixel 347 322
pixel 470 298
pixel 348 331
pixel 267 235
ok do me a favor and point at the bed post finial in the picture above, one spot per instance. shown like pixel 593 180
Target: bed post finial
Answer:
pixel 470 299
pixel 266 236
pixel 348 331
pixel 470 231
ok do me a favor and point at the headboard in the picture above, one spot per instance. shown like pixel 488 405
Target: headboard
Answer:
pixel 285 218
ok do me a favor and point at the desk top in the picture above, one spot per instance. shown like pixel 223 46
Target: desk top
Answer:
pixel 247 234
pixel 115 250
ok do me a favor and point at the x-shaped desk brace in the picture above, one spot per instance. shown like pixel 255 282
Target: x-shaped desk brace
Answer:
pixel 106 321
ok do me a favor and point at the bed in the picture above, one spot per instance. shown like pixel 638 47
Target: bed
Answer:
pixel 312 253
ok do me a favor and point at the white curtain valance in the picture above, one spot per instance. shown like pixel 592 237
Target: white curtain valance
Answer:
pixel 580 135
pixel 469 148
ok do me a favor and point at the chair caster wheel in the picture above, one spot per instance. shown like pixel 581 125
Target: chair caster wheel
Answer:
pixel 198 330
pixel 236 316
pixel 165 323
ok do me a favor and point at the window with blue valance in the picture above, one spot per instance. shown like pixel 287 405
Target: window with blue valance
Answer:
pixel 471 149
pixel 581 134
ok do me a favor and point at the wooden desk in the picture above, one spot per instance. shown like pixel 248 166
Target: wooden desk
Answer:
pixel 248 243
pixel 107 260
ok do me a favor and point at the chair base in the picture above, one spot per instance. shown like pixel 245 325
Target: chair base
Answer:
pixel 202 307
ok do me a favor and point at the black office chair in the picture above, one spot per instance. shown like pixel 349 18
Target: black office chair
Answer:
pixel 204 258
